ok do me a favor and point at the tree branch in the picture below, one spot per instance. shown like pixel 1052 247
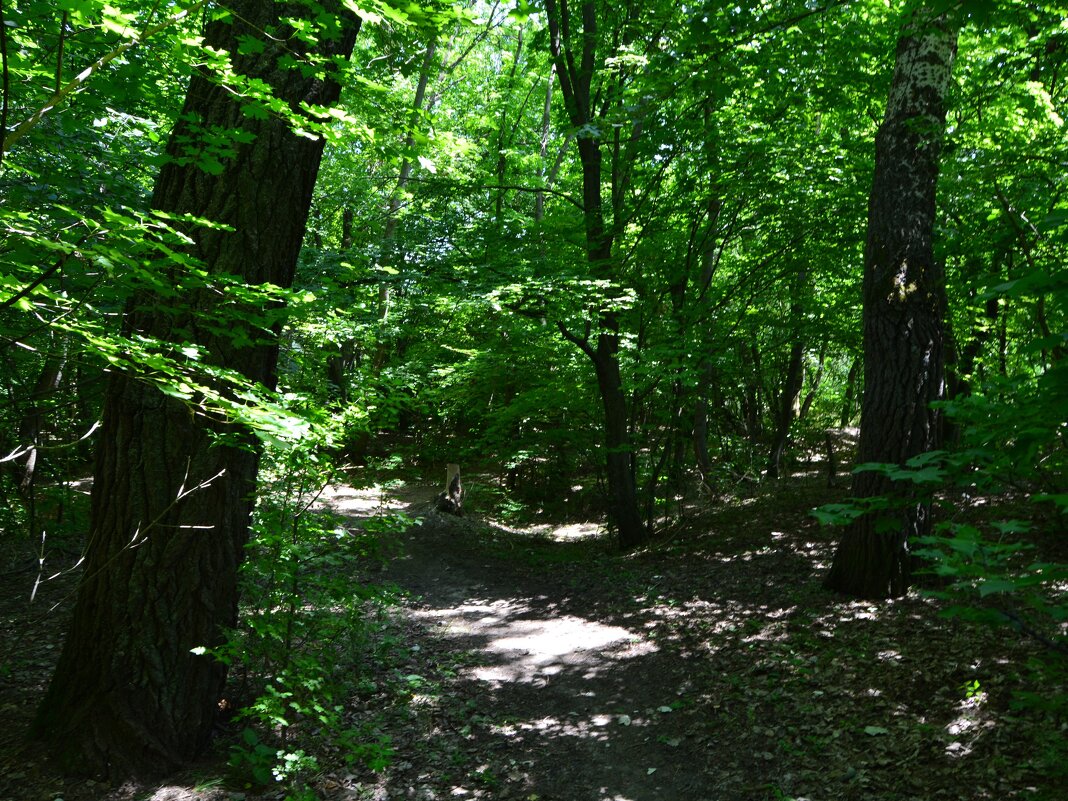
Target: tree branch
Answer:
pixel 474 187
pixel 582 342
pixel 58 97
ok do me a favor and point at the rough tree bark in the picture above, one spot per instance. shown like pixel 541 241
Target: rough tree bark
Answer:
pixel 904 307
pixel 171 505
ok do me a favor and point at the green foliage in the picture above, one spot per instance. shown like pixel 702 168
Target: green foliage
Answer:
pixel 308 630
pixel 446 248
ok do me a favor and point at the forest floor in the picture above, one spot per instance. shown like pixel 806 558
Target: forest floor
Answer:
pixel 536 664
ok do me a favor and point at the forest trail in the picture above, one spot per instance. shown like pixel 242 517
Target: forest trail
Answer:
pixel 711 666
pixel 555 692
pixel 539 664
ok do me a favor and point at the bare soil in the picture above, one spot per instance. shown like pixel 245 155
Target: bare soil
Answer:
pixel 540 665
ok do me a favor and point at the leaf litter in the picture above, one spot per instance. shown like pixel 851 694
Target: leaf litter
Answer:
pixel 709 666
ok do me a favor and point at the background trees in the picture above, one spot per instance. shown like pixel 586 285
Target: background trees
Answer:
pixel 513 193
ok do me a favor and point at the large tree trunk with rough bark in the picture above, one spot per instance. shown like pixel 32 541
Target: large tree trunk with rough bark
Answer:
pixel 171 503
pixel 904 306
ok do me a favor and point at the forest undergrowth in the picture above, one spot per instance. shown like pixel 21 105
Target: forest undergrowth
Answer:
pixel 473 658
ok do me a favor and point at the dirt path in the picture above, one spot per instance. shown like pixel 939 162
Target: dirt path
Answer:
pixel 711 667
pixel 564 694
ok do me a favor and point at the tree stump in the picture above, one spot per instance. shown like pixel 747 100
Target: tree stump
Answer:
pixel 451 500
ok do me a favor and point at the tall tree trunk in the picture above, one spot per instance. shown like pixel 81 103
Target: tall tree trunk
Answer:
pixel 388 249
pixel 543 147
pixel 850 393
pixel 792 384
pixel 814 384
pixel 575 72
pixel 171 501
pixel 791 389
pixel 904 306
pixel 32 425
pixel 339 364
pixel 700 423
pixel 619 454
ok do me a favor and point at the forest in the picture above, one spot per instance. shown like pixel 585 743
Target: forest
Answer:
pixel 537 400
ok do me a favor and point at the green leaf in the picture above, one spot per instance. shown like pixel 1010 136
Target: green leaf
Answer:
pixel 249 45
pixel 992 586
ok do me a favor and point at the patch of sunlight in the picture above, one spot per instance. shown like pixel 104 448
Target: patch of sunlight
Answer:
pixel 360 501
pixel 466 617
pixel 571 532
pixel 968 726
pixel 772 632
pixel 174 793
pixel 557 637
pixel 777 614
pixel 594 727
pixel 525 649
pixel 859 610
pixel 576 531
pixel 744 556
pixel 889 656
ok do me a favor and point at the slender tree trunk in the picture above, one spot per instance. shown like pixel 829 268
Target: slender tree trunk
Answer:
pixel 904 306
pixel 33 420
pixel 700 434
pixel 850 393
pixel 503 141
pixel 171 501
pixel 960 364
pixel 752 401
pixel 543 147
pixel 388 249
pixel 814 384
pixel 339 364
pixel 575 72
pixel 792 384
pixel 787 405
pixel 619 455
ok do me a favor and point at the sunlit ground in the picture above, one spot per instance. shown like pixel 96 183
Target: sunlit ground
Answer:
pixel 531 649
pixel 362 501
pixel 710 666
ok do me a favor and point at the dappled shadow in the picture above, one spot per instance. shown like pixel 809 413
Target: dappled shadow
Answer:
pixel 577 687
pixel 711 665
